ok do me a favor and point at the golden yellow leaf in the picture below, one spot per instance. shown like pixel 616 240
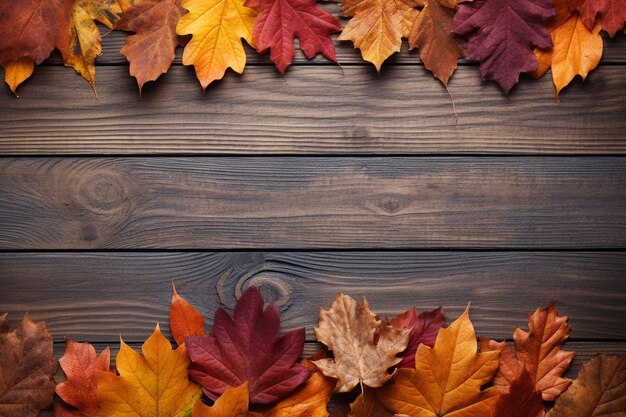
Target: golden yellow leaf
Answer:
pixel 234 402
pixel 217 28
pixel 447 378
pixel 154 384
pixel 576 50
pixel 378 26
pixel 18 71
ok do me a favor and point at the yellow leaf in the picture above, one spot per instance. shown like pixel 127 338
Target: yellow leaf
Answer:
pixel 234 402
pixel 576 50
pixel 154 384
pixel 18 71
pixel 447 378
pixel 217 27
pixel 378 26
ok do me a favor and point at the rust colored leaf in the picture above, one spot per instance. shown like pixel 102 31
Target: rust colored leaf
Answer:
pixel 611 14
pixel 364 347
pixel 246 348
pixel 27 368
pixel 599 390
pixel 439 47
pixel 523 400
pixel 185 320
pixel 368 405
pixel 424 328
pixel 447 378
pixel 151 50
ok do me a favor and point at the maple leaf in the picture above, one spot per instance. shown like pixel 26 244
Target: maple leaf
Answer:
pixel 424 329
pixel 576 51
pixel 27 368
pixel 364 347
pixel 155 383
pixel 152 49
pixel 598 390
pixel 523 400
pixel 247 348
pixel 538 351
pixel 610 13
pixel 368 405
pixel 447 378
pixel 439 48
pixel 217 27
pixel 377 27
pixel 308 400
pixel 17 71
pixel 80 364
pixel 502 35
pixel 185 320
pixel 232 403
pixel 280 21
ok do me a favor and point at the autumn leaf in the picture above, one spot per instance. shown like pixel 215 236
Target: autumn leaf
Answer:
pixel 232 403
pixel 611 14
pixel 185 320
pixel 576 50
pixel 523 400
pixel 27 368
pixel 368 405
pixel 364 347
pixel 598 390
pixel 153 384
pixel 538 351
pixel 280 21
pixel 18 71
pixel 377 27
pixel 247 348
pixel 439 48
pixel 308 400
pixel 424 328
pixel 152 49
pixel 217 27
pixel 447 378
pixel 81 364
pixel 502 35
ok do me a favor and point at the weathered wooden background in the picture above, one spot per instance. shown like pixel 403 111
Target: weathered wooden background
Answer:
pixel 325 180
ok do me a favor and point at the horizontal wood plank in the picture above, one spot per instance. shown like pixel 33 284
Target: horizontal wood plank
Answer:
pixel 313 110
pixel 308 203
pixel 100 296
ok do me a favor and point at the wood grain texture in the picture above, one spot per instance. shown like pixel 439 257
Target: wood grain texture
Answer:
pixel 308 203
pixel 98 296
pixel 313 110
pixel 112 42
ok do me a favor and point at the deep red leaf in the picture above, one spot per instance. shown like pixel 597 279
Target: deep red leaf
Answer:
pixel 612 13
pixel 523 399
pixel 424 329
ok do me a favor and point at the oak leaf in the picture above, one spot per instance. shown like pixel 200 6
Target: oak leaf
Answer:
pixel 377 27
pixel 523 400
pixel 232 403
pixel 152 49
pixel 576 50
pixel 27 368
pixel 424 328
pixel 364 347
pixel 217 28
pixel 185 320
pixel 81 365
pixel 153 384
pixel 538 351
pixel 447 378
pixel 598 390
pixel 18 71
pixel 503 34
pixel 246 348
pixel 280 21
pixel 611 14
pixel 431 33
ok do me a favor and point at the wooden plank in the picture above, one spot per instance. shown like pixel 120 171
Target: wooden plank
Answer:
pixel 307 203
pixel 614 50
pixel 98 296
pixel 313 110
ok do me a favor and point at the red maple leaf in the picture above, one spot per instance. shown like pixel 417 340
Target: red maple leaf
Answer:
pixel 503 34
pixel 280 21
pixel 424 329
pixel 612 13
pixel 247 348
